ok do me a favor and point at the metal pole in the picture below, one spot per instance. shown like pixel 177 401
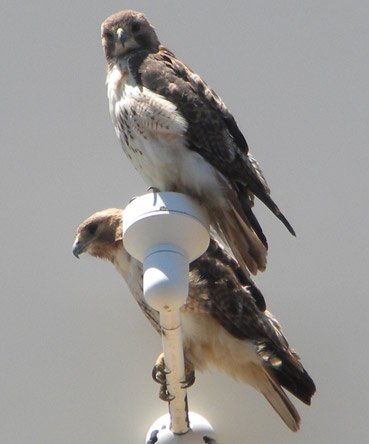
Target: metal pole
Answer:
pixel 174 361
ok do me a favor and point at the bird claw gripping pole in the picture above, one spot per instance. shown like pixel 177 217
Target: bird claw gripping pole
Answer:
pixel 166 231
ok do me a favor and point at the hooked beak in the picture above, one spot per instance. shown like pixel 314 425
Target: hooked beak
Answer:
pixel 121 36
pixel 78 248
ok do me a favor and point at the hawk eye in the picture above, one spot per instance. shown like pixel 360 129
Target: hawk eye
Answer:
pixel 135 27
pixel 92 227
pixel 109 36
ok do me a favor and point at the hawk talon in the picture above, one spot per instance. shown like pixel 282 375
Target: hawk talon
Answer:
pixel 159 375
pixel 189 381
pixel 160 371
pixel 164 395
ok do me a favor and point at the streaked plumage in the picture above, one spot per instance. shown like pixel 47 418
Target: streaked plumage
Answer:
pixel 225 323
pixel 181 137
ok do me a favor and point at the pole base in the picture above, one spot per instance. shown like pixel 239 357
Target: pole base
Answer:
pixel 201 432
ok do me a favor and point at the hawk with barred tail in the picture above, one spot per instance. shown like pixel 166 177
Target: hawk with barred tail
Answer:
pixel 225 323
pixel 181 137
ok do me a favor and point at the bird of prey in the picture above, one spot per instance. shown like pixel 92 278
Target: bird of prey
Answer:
pixel 181 137
pixel 225 323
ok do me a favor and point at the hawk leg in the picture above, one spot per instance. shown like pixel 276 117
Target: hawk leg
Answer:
pixel 159 373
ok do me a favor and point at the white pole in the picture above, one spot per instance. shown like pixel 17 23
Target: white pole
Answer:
pixel 166 231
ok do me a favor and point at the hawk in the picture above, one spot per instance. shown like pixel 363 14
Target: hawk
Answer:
pixel 181 137
pixel 225 323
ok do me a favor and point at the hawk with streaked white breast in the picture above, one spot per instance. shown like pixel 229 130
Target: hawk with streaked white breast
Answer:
pixel 181 137
pixel 225 323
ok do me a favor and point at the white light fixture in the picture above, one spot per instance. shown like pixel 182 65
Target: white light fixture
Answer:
pixel 166 231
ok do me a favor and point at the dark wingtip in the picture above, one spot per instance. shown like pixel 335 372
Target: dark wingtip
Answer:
pixel 268 201
pixel 286 224
pixel 292 376
pixel 251 218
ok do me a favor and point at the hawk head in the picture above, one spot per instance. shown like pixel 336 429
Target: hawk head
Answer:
pixel 127 31
pixel 100 235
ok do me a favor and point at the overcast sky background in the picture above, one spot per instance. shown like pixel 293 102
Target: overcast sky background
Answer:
pixel 76 353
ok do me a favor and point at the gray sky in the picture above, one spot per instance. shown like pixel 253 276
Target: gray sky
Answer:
pixel 76 353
